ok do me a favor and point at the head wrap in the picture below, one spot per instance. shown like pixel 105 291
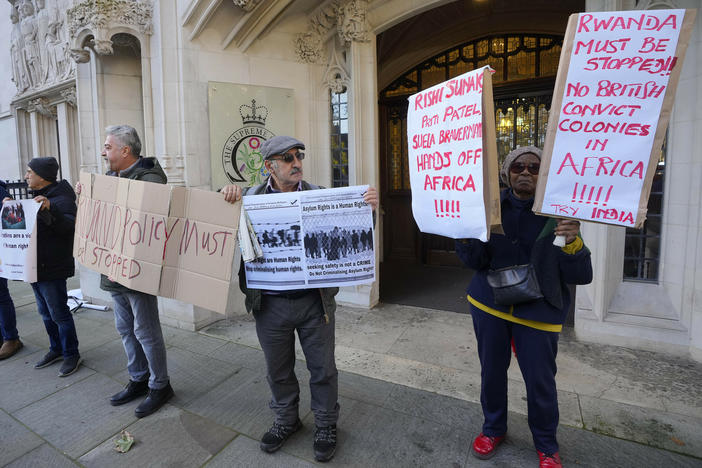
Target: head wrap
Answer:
pixel 512 156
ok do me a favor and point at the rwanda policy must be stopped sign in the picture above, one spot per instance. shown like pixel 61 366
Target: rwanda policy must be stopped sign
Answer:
pixel 453 157
pixel 158 239
pixel 612 102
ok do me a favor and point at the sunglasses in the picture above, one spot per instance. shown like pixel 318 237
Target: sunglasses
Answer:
pixel 288 158
pixel 518 168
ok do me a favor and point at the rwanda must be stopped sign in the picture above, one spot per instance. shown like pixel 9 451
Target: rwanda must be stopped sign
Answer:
pixel 612 102
pixel 453 157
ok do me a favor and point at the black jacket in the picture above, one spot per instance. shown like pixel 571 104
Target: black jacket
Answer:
pixel 55 228
pixel 528 238
pixel 3 191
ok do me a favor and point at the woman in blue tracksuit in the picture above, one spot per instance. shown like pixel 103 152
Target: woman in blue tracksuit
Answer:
pixel 532 327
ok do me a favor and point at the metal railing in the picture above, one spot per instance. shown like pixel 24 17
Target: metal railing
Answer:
pixel 18 189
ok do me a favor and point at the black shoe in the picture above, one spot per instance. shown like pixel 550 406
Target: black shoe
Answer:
pixel 70 365
pixel 324 443
pixel 48 359
pixel 156 399
pixel 132 391
pixel 277 434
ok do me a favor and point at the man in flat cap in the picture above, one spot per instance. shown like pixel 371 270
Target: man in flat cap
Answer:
pixel 279 314
pixel 55 226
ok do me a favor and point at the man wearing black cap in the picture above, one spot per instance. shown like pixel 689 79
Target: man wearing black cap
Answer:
pixel 279 314
pixel 55 226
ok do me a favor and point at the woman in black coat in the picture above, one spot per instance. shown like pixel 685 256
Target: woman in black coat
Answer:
pixel 532 328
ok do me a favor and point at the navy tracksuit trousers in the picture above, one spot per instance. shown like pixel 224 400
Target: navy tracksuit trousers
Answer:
pixel 536 354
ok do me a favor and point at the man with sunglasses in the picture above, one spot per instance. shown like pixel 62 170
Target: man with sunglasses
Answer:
pixel 279 314
pixel 531 327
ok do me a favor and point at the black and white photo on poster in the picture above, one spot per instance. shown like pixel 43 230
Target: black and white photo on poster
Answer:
pixel 276 221
pixel 316 238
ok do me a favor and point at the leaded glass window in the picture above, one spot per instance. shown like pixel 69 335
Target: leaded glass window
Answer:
pixel 642 247
pixel 340 139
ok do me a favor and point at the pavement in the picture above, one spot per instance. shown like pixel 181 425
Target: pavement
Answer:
pixel 409 391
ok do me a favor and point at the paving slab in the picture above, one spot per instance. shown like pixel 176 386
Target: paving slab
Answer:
pixel 370 435
pixel 28 385
pixel 437 408
pixel 656 427
pixel 80 416
pixel 28 320
pixel 169 437
pixel 245 451
pixel 240 329
pixel 241 403
pixel 375 332
pixel 108 359
pixel 445 342
pixel 362 388
pixel 43 456
pixel 240 356
pixel 194 374
pixel 587 449
pixel 190 341
pixel 15 439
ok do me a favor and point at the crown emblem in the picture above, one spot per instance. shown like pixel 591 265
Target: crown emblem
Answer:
pixel 253 114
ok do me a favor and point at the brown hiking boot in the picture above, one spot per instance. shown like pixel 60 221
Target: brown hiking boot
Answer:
pixel 9 348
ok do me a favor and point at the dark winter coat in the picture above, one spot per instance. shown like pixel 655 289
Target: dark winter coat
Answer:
pixel 528 238
pixel 3 191
pixel 148 170
pixel 55 228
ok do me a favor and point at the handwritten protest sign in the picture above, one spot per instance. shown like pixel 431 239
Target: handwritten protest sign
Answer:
pixel 453 157
pixel 159 239
pixel 312 239
pixel 18 244
pixel 612 102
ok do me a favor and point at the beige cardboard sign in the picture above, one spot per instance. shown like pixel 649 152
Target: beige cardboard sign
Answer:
pixel 158 239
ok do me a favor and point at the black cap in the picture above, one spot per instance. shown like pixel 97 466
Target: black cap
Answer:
pixel 46 168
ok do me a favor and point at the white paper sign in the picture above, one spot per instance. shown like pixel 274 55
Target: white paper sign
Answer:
pixel 311 239
pixel 445 148
pixel 616 83
pixel 18 245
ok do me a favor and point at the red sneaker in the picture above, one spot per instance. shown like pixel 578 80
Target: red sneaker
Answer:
pixel 549 461
pixel 484 446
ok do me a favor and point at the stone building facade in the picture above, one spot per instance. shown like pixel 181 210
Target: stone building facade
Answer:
pixel 73 67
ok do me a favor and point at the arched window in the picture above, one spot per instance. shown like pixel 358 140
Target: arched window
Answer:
pixel 525 70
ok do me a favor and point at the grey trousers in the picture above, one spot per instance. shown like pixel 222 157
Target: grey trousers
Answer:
pixel 276 324
pixel 136 319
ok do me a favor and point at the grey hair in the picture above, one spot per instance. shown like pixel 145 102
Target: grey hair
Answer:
pixel 126 136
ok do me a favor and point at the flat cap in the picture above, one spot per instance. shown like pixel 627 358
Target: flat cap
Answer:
pixel 279 145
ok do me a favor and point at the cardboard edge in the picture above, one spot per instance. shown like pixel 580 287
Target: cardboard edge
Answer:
pixel 555 114
pixel 491 184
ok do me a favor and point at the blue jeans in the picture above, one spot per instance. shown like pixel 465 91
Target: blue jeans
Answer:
pixel 8 321
pixel 51 301
pixel 136 319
